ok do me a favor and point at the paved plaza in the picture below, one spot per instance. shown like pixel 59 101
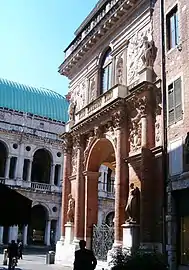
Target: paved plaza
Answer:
pixel 33 262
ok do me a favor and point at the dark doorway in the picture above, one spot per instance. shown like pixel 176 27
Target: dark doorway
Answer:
pixel 3 157
pixel 41 167
pixel 38 225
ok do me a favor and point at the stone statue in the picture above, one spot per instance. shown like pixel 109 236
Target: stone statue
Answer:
pixel 71 208
pixel 132 208
pixel 71 111
pixel 148 52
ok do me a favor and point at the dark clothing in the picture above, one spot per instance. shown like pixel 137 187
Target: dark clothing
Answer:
pixel 20 248
pixel 84 259
pixel 12 252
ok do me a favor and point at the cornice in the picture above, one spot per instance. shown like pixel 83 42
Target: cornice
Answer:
pixel 80 46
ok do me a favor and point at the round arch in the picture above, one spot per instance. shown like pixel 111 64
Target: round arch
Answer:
pixel 3 156
pixel 37 227
pixel 48 150
pixel 101 152
pixel 41 166
pixel 102 54
pixel 109 219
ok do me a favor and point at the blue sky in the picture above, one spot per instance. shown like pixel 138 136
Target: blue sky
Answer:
pixel 33 35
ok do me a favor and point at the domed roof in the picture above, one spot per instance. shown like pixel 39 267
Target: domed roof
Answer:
pixel 37 101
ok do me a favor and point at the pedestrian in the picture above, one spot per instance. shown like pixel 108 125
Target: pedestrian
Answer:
pixel 20 249
pixel 84 258
pixel 12 253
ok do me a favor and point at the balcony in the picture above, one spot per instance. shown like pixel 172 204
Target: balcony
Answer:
pixel 34 186
pixel 118 91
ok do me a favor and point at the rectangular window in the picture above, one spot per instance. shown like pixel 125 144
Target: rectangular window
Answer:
pixel 172 28
pixel 174 102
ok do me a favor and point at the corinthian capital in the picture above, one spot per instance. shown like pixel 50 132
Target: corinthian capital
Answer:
pixel 119 118
pixel 67 142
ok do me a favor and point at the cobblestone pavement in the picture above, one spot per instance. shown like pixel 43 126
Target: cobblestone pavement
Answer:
pixel 34 262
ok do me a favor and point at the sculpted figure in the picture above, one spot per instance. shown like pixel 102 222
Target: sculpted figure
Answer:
pixel 132 208
pixel 148 52
pixel 71 110
pixel 71 208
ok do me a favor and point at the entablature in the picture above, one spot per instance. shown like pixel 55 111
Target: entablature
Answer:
pixel 102 22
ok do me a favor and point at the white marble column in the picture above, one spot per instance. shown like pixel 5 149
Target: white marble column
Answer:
pixel 59 175
pixel 7 167
pixel 14 233
pixel 20 163
pixel 29 170
pixel 1 234
pixel 10 234
pixel 15 169
pixel 52 174
pixel 47 232
pixel 25 235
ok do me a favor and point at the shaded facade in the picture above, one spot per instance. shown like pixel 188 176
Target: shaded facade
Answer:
pixel 115 119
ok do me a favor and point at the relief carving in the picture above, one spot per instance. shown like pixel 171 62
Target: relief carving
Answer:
pixel 74 160
pixel 89 142
pixel 149 51
pixel 119 70
pixel 110 132
pixel 71 110
pixel 158 133
pixel 92 90
pixel 140 52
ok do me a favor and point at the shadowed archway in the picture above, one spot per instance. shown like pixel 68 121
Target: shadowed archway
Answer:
pixel 3 157
pixel 41 166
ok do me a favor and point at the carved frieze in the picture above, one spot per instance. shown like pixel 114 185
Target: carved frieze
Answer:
pixel 139 53
pixel 74 159
pixel 119 70
pixel 119 118
pixel 92 92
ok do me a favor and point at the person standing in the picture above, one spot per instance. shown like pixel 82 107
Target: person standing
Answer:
pixel 84 258
pixel 20 249
pixel 12 252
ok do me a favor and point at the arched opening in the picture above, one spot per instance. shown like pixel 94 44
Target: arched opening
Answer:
pixel 106 72
pixel 110 219
pixel 3 157
pixel 37 228
pixel 41 166
pixel 102 152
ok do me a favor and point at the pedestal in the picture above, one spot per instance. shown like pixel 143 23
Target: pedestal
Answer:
pixel 65 248
pixel 131 236
pixel 145 75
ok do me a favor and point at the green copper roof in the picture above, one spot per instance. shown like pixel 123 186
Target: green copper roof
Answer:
pixel 38 101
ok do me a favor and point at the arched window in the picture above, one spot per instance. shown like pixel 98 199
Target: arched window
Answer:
pixel 106 72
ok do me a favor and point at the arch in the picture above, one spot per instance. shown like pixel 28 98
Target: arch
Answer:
pixel 109 220
pixel 101 152
pixel 37 227
pixel 41 166
pixel 3 157
pixel 46 207
pixel 44 148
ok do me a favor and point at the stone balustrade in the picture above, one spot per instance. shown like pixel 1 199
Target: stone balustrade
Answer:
pixel 118 91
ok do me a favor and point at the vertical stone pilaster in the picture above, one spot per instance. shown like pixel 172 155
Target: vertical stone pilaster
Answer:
pixel 48 233
pixel 52 174
pixel 25 235
pixel 7 167
pixel 66 186
pixel 121 174
pixel 147 169
pixel 1 234
pixel 80 192
pixel 28 178
pixel 91 203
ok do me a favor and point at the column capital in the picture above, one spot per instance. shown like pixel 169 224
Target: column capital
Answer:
pixel 67 142
pixel 119 117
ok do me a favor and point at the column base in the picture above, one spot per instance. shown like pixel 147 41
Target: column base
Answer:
pixel 131 236
pixel 66 247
